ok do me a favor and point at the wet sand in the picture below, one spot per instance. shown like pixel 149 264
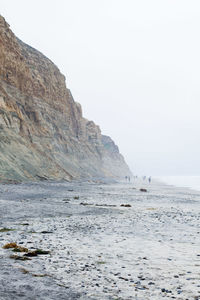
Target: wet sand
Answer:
pixel 98 248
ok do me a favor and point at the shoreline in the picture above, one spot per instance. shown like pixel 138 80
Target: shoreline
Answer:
pixel 178 185
pixel 100 249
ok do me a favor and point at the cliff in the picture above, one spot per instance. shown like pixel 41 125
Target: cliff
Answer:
pixel 43 134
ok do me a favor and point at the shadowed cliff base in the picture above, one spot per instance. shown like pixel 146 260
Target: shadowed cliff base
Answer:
pixel 43 134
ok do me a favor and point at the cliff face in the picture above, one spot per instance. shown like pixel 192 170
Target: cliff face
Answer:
pixel 42 131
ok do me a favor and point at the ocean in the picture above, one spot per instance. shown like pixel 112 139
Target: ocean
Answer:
pixel 192 182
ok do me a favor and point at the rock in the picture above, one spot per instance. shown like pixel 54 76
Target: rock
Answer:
pixel 143 190
pixel 165 291
pixel 43 132
pixel 30 254
pixel 125 205
pixel 123 278
pixel 17 257
pixel 106 205
pixel 36 253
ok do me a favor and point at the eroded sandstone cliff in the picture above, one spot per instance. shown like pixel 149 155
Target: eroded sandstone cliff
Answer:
pixel 42 131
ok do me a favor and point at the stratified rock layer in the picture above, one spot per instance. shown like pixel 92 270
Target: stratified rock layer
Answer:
pixel 43 134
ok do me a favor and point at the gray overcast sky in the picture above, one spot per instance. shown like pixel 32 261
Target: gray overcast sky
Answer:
pixel 133 65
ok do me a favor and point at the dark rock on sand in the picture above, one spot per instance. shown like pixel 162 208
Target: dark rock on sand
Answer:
pixel 143 190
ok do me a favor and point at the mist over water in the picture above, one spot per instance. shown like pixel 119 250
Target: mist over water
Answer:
pixel 192 182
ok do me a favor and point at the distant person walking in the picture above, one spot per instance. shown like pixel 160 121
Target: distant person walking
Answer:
pixel 127 178
pixel 149 179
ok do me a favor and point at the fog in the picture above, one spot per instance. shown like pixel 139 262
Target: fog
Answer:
pixel 133 65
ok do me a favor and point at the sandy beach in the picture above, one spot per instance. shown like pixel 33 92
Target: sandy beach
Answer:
pixel 149 248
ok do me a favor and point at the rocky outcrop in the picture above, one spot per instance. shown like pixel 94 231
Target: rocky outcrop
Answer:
pixel 43 134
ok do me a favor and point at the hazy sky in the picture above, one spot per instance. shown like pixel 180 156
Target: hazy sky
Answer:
pixel 133 65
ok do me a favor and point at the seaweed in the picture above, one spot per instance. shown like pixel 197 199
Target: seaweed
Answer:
pixel 6 229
